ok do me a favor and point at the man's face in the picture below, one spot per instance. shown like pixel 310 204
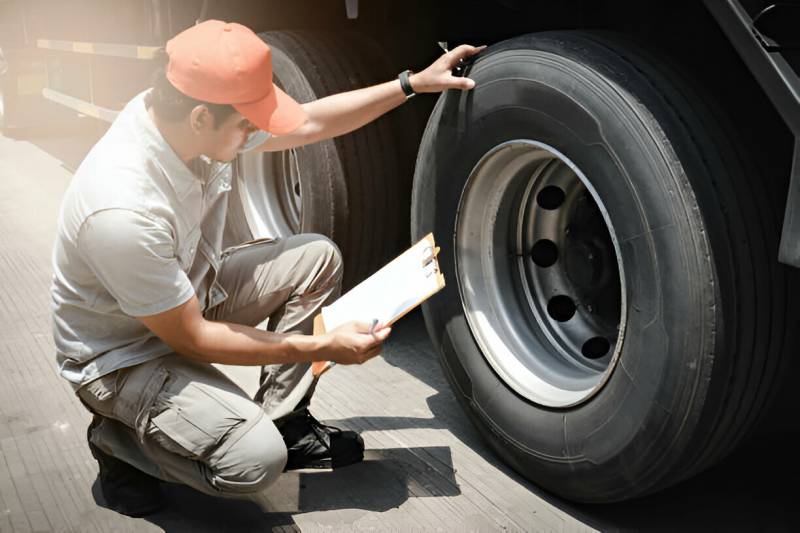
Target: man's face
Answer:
pixel 223 142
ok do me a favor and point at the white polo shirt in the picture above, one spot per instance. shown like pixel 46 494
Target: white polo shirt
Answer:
pixel 139 233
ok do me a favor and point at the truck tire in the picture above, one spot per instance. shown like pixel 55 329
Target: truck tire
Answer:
pixel 615 319
pixel 354 189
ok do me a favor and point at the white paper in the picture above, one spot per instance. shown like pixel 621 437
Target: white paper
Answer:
pixel 389 292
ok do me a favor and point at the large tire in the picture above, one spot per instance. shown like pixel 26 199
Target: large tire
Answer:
pixel 355 189
pixel 663 250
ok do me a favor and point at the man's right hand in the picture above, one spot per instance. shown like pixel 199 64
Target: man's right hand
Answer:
pixel 187 332
pixel 352 343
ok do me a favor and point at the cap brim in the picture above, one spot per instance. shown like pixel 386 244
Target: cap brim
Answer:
pixel 277 113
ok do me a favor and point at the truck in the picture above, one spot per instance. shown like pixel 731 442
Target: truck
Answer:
pixel 616 201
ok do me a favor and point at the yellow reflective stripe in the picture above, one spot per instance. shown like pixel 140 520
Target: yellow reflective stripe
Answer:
pixel 84 48
pixel 146 52
pixel 87 109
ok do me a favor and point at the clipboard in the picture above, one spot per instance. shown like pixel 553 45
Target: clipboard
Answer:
pixel 388 295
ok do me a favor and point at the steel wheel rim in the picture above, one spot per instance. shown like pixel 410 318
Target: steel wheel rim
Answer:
pixel 271 192
pixel 539 274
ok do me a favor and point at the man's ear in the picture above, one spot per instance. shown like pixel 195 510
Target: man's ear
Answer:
pixel 200 118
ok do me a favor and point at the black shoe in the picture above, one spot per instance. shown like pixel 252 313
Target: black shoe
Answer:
pixel 126 489
pixel 314 445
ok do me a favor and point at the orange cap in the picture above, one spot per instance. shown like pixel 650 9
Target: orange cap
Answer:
pixel 226 63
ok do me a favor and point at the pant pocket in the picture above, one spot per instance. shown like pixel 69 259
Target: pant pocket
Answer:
pixel 233 249
pixel 189 420
pixel 99 395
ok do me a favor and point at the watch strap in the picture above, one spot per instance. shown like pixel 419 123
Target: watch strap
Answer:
pixel 405 84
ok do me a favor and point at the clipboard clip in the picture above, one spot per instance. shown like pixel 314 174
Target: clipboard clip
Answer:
pixel 429 254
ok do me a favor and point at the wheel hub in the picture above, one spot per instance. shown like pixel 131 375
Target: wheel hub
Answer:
pixel 271 192
pixel 539 275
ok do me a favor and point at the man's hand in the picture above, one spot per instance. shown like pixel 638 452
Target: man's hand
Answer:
pixel 438 77
pixel 352 344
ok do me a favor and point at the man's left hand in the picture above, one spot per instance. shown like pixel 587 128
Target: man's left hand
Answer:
pixel 438 77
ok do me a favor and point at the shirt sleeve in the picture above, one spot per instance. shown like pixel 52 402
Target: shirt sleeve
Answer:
pixel 134 258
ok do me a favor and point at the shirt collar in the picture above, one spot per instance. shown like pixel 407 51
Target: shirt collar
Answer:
pixel 180 176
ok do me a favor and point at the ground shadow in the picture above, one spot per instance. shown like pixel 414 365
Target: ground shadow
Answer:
pixel 189 510
pixel 399 473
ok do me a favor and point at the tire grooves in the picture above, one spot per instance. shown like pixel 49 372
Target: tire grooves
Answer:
pixel 369 233
pixel 383 222
pixel 741 360
pixel 326 80
pixel 369 203
pixel 728 231
pixel 398 129
pixel 388 164
pixel 653 478
pixel 293 47
pixel 738 355
pixel 751 394
pixel 359 186
pixel 752 407
pixel 374 202
pixel 750 399
pixel 292 42
pixel 390 169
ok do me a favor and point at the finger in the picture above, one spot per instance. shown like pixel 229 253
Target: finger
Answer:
pixel 366 354
pixel 457 82
pixel 371 343
pixel 383 333
pixel 465 83
pixel 374 352
pixel 361 327
pixel 465 50
pixel 377 338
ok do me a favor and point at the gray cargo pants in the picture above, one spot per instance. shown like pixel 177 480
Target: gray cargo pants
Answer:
pixel 184 421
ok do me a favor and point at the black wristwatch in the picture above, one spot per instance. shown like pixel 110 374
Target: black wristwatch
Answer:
pixel 405 84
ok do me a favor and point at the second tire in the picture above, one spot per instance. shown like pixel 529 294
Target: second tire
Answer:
pixel 354 189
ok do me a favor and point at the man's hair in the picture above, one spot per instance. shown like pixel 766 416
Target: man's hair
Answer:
pixel 172 105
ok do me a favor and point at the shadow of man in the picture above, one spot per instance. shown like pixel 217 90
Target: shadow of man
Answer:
pixel 383 481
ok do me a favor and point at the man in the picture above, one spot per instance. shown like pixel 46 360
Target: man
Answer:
pixel 145 299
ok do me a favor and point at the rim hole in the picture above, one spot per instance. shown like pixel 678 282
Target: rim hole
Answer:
pixel 551 197
pixel 297 188
pixel 544 253
pixel 595 347
pixel 561 308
